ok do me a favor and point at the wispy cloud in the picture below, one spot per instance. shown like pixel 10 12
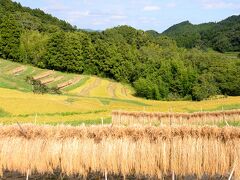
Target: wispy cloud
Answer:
pixel 151 8
pixel 120 17
pixel 220 4
pixel 171 5
pixel 99 22
pixel 148 20
pixel 55 6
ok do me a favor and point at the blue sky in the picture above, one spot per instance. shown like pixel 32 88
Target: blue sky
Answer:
pixel 141 14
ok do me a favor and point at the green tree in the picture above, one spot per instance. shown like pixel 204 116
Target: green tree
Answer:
pixel 65 52
pixel 10 31
pixel 145 88
pixel 33 47
pixel 205 87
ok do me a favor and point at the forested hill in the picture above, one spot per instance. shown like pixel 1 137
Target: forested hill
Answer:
pixel 32 19
pixel 153 64
pixel 222 36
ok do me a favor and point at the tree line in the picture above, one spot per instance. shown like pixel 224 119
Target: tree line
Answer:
pixel 153 64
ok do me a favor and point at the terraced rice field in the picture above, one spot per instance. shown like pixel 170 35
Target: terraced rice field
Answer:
pixel 87 100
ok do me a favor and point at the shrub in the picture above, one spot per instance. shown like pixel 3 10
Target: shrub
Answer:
pixel 40 88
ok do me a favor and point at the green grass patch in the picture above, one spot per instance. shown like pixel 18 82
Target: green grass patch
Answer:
pixel 122 100
pixel 227 107
pixel 232 55
pixel 218 108
pixel 6 85
pixel 230 123
pixel 85 122
pixel 14 82
pixel 105 102
pixel 59 113
pixel 4 113
pixel 66 77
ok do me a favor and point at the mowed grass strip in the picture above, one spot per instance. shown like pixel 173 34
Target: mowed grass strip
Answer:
pixel 56 119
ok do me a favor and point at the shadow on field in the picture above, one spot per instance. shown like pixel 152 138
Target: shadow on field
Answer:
pixel 99 176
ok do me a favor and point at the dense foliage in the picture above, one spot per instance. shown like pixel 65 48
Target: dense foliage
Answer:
pixel 154 64
pixel 222 36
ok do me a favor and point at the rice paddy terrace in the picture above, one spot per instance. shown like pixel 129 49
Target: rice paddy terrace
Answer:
pixel 85 99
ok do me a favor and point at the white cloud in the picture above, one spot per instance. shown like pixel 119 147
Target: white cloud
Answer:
pixel 216 4
pixel 148 20
pixel 54 5
pixel 171 5
pixel 79 14
pixel 98 22
pixel 114 19
pixel 73 16
pixel 151 8
pixel 118 17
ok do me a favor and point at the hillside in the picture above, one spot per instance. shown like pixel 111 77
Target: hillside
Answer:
pixel 222 36
pixel 14 75
pixel 152 64
pixel 87 100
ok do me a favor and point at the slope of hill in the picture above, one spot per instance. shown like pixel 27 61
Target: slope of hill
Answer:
pixel 153 65
pixel 222 36
pixel 14 76
pixel 87 100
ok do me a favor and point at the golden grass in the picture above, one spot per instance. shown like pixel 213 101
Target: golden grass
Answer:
pixel 22 103
pixel 148 151
pixel 123 92
pixel 56 119
pixel 101 90
pixel 184 106
pixel 78 90
pixel 16 103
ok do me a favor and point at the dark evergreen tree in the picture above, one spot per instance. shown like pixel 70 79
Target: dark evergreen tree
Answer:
pixel 10 32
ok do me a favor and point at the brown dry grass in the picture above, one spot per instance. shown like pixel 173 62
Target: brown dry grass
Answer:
pixel 43 75
pixel 18 70
pixel 197 118
pixel 149 151
pixel 69 82
pixel 47 80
